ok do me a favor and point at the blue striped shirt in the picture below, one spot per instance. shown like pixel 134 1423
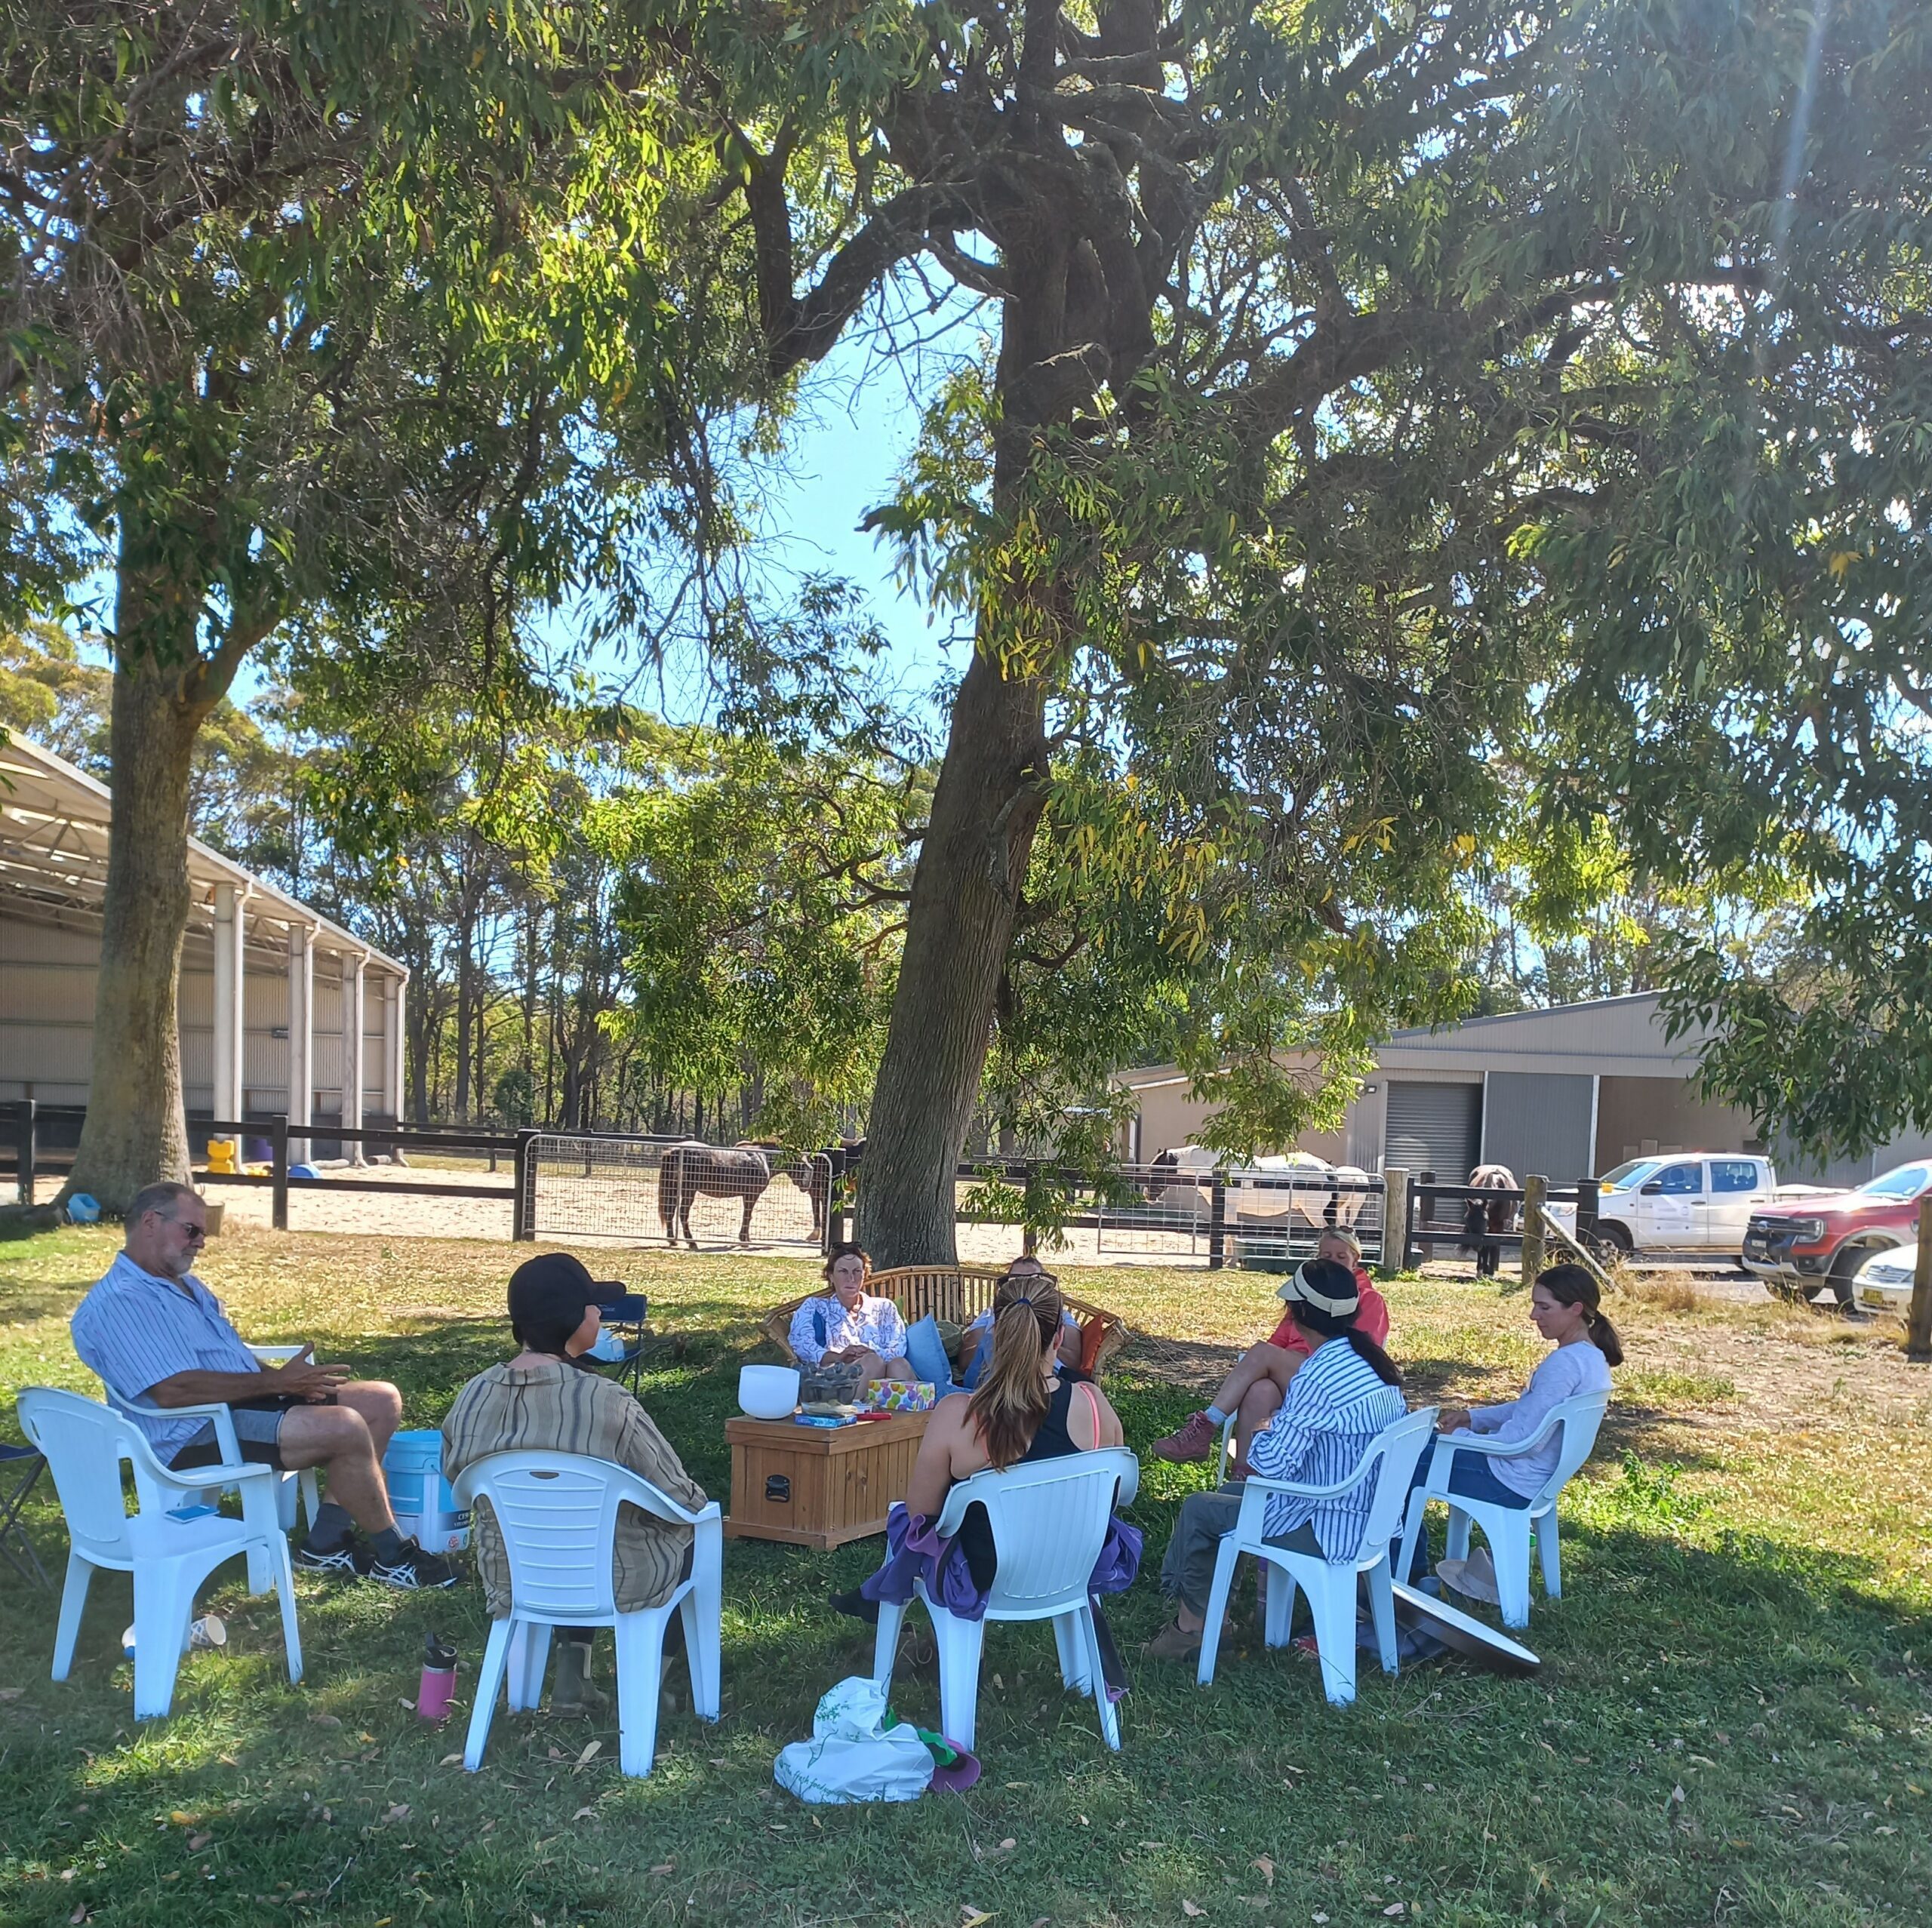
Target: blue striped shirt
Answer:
pixel 133 1330
pixel 1335 1408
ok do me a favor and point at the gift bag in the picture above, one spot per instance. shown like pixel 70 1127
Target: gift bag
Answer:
pixel 852 1755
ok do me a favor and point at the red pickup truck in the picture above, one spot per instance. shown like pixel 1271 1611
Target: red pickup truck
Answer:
pixel 1808 1243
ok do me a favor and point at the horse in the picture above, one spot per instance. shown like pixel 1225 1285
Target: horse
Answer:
pixel 1490 1216
pixel 692 1168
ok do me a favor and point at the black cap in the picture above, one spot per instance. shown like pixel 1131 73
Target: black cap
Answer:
pixel 547 1295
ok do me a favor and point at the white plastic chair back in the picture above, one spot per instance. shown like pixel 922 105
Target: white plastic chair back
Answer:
pixel 1049 1522
pixel 1581 1418
pixel 1391 1462
pixel 85 1443
pixel 557 1515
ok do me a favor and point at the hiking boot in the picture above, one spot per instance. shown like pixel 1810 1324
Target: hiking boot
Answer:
pixel 413 1570
pixel 348 1561
pixel 1199 1439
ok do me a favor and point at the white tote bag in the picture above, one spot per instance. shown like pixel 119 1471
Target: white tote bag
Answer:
pixel 852 1755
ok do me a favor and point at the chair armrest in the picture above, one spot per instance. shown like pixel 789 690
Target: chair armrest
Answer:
pixel 1497 1449
pixel 193 1479
pixel 1255 1483
pixel 224 1432
pixel 277 1355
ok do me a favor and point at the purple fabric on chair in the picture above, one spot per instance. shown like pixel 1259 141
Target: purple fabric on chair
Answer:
pixel 914 1550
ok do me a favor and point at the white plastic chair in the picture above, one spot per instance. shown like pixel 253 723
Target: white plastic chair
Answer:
pixel 84 1444
pixel 1049 1522
pixel 1331 1586
pixel 1509 1529
pixel 558 1515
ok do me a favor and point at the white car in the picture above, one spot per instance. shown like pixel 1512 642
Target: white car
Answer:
pixel 1883 1282
pixel 1679 1201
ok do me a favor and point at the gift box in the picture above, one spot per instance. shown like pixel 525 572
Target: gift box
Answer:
pixel 897 1396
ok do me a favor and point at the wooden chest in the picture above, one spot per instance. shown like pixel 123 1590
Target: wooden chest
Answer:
pixel 818 1486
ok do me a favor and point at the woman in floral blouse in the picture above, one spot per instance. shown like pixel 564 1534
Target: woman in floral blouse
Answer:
pixel 848 1324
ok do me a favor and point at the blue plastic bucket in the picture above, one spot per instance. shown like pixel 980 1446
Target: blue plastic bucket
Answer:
pixel 425 1507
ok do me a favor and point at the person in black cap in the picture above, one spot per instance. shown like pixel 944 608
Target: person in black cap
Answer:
pixel 1335 1406
pixel 545 1400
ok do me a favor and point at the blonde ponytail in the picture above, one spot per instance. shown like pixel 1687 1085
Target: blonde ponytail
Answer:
pixel 1013 1394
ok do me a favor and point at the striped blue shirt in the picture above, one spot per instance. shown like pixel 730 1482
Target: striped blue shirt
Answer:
pixel 133 1330
pixel 1334 1409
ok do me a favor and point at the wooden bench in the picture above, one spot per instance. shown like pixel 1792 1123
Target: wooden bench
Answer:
pixel 953 1295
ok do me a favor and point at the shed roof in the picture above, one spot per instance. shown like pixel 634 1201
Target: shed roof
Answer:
pixel 53 835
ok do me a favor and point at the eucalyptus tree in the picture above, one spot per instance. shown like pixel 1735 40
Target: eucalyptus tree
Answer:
pixel 302 314
pixel 1313 329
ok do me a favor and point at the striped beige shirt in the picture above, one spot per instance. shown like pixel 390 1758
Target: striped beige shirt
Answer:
pixel 549 1407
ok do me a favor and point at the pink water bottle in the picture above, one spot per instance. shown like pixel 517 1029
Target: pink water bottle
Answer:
pixel 438 1682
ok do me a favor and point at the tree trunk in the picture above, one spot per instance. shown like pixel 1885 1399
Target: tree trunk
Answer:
pixel 965 894
pixel 136 1130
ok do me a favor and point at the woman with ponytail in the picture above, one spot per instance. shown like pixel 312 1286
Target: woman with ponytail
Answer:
pixel 1021 1411
pixel 1584 1346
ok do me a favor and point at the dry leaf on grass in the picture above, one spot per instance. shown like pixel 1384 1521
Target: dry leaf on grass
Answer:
pixel 590 1753
pixel 451 1761
pixel 11 1693
pixel 665 1868
pixel 971 1916
pixel 198 1842
pixel 1188 1909
pixel 1266 1866
pixel 584 1814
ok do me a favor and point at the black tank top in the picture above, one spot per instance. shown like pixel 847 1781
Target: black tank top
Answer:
pixel 1051 1441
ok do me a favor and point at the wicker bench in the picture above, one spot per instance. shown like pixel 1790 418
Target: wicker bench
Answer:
pixel 953 1295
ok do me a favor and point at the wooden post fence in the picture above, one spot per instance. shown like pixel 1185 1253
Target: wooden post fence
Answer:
pixel 29 1150
pixel 1395 1219
pixel 278 1151
pixel 1535 1195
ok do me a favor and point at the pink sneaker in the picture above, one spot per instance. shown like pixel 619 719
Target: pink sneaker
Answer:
pixel 1199 1439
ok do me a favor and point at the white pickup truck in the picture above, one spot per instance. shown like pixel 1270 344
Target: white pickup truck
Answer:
pixel 1680 1201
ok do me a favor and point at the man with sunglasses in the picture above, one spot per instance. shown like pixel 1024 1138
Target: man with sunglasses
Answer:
pixel 158 1339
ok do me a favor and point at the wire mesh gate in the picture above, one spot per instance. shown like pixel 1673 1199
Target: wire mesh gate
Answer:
pixel 723 1197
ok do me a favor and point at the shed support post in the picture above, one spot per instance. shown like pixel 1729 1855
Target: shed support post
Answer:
pixel 301 1034
pixel 230 1004
pixel 1395 1219
pixel 352 967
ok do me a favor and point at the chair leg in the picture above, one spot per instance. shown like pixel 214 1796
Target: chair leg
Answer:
pixel 1381 1609
pixel 1331 1599
pixel 164 1604
pixel 704 1611
pixel 285 1588
pixel 885 1642
pixel 703 1639
pixel 489 1684
pixel 640 1676
pixel 1549 1553
pixel 961 1643
pixel 1103 1703
pixel 529 1661
pixel 1458 1545
pixel 1281 1620
pixel 1415 1525
pixel 1216 1610
pixel 73 1604
pixel 311 1494
pixel 1508 1533
pixel 1073 1659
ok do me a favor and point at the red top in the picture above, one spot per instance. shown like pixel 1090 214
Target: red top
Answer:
pixel 1372 1319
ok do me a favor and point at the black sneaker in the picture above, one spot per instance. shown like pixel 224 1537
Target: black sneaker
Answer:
pixel 412 1570
pixel 348 1561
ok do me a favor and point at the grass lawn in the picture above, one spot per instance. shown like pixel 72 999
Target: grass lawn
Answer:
pixel 1732 1725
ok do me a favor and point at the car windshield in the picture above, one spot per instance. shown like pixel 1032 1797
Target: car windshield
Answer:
pixel 1632 1171
pixel 1908 1181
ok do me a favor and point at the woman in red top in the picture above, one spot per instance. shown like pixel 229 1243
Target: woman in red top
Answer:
pixel 1251 1394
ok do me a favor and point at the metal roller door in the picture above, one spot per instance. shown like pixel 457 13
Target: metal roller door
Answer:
pixel 1538 1121
pixel 1434 1128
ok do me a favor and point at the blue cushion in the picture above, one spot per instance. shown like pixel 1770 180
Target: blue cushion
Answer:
pixel 976 1367
pixel 927 1352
